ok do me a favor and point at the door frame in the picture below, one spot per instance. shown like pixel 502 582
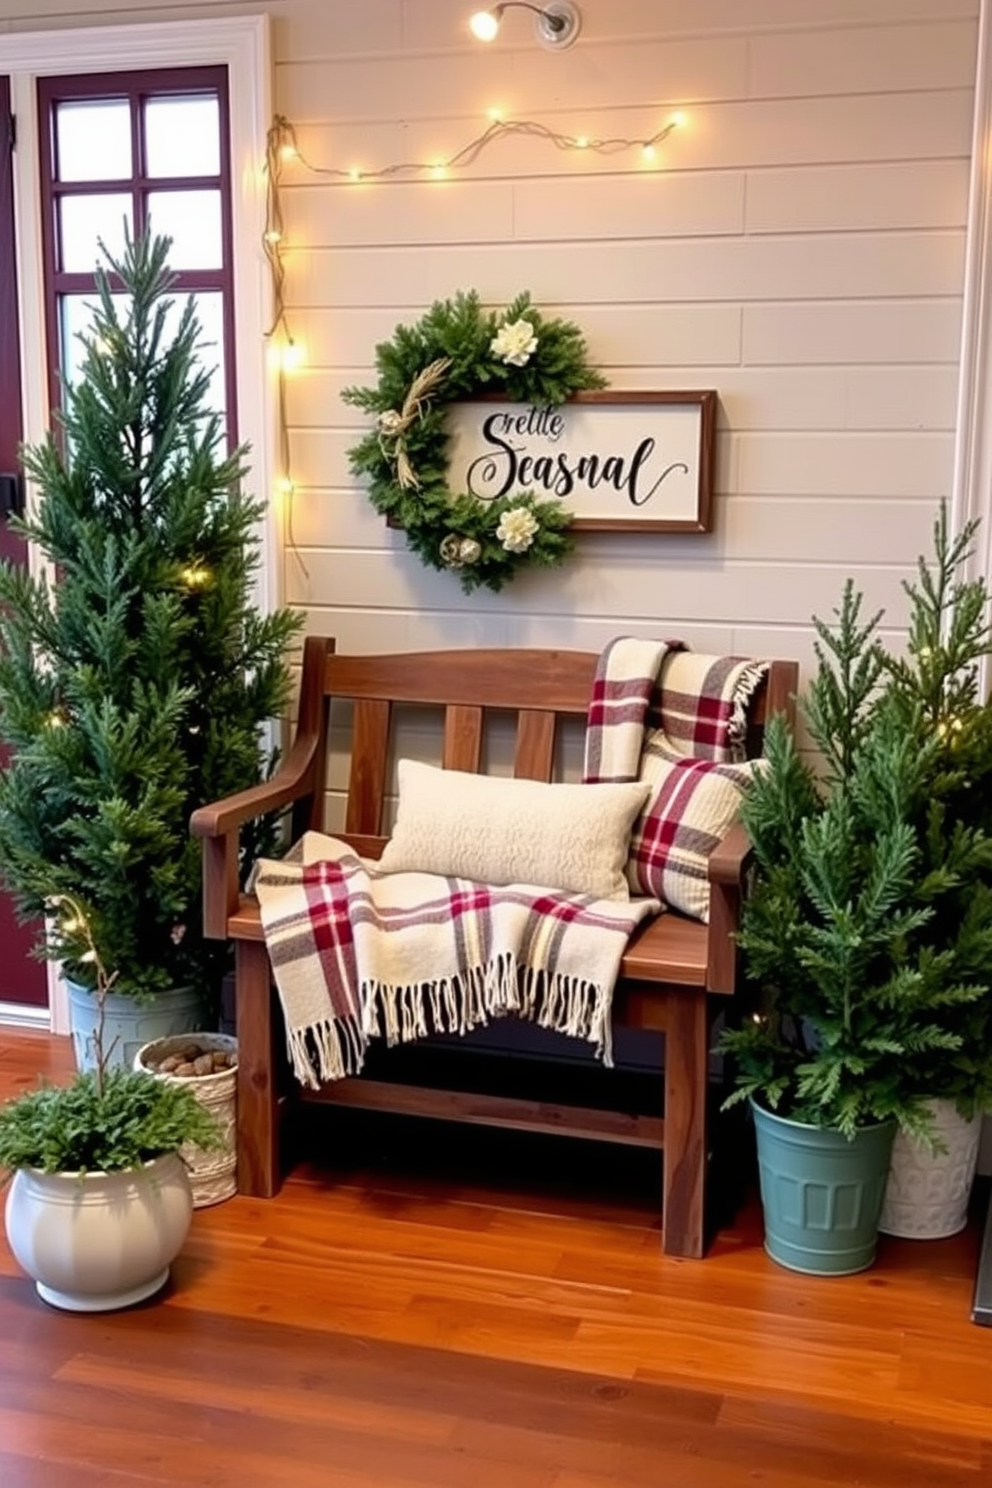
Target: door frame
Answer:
pixel 243 45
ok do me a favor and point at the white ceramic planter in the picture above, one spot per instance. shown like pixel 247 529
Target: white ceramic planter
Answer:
pixel 99 1241
pixel 927 1194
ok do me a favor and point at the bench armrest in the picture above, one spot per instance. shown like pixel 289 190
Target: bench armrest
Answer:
pixel 288 784
pixel 219 822
pixel 726 870
pixel 300 776
pixel 729 860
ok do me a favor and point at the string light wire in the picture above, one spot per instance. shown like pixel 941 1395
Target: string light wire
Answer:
pixel 282 147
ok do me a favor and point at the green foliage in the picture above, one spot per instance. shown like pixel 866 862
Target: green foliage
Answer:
pixel 103 1123
pixel 136 675
pixel 869 929
pixel 460 332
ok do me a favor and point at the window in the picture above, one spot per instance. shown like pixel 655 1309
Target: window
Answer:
pixel 130 153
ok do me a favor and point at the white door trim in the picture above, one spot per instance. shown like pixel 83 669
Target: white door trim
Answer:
pixel 972 487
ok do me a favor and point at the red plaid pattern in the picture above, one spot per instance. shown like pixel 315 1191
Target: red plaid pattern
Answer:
pixel 677 719
pixel 357 952
pixel 694 803
pixel 700 706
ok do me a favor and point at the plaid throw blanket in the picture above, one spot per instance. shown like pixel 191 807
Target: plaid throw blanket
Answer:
pixel 656 697
pixel 358 953
pixel 678 720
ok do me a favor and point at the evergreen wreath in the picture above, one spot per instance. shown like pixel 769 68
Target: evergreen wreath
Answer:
pixel 459 350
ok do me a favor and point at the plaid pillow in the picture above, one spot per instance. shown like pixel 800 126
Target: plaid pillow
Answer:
pixel 692 804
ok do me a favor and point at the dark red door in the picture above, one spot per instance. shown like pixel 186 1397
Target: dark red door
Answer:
pixel 22 979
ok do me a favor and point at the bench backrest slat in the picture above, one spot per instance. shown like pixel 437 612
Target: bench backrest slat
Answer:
pixel 540 688
pixel 369 765
pixel 511 679
pixel 534 756
pixel 462 738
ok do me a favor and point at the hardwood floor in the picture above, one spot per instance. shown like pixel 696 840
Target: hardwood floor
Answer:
pixel 419 1306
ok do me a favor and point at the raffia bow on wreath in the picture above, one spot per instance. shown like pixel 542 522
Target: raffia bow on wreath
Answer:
pixel 393 425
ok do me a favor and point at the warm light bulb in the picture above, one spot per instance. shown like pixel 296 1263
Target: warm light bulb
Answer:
pixel 272 236
pixel 288 152
pixel 484 26
pixel 581 142
pixel 285 486
pixel 677 120
pixel 291 356
pixel 355 174
pixel 495 115
pixel 195 576
pixel 437 171
pixel 649 152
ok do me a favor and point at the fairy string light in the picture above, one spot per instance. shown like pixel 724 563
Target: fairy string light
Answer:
pixel 282 148
pixel 280 143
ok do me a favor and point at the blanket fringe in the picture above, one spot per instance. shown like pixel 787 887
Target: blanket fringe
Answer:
pixel 328 1050
pixel 751 676
pixel 455 1005
pixel 570 1005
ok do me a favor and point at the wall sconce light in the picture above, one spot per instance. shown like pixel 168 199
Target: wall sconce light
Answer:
pixel 556 24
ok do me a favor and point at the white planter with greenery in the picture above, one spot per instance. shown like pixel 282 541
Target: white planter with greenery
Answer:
pixel 96 1241
pixel 100 1202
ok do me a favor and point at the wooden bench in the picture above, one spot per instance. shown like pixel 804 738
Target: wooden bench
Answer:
pixel 675 973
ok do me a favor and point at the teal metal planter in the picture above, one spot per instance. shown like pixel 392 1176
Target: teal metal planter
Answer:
pixel 129 1025
pixel 822 1193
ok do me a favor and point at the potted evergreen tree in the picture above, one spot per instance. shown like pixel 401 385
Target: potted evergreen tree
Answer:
pixel 874 976
pixel 135 673
pixel 100 1203
pixel 937 687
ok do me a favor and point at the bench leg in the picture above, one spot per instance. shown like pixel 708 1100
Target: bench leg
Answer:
pixel 259 1170
pixel 686 1066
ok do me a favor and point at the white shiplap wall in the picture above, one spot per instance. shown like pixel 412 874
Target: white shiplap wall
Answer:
pixel 799 247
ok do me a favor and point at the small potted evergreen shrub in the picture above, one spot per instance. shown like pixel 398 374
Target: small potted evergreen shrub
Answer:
pixel 872 967
pixel 135 673
pixel 100 1203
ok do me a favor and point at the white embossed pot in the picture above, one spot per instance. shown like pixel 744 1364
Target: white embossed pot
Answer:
pixel 926 1197
pixel 97 1241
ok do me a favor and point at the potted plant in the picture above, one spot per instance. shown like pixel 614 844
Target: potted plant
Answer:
pixel 937 686
pixel 100 1203
pixel 872 982
pixel 135 673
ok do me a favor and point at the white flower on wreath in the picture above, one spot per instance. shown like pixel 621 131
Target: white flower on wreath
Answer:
pixel 514 343
pixel 517 529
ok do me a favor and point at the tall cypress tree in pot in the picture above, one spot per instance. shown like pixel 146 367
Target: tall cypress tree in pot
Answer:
pixel 135 673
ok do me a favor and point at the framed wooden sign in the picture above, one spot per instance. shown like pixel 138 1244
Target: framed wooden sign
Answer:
pixel 617 460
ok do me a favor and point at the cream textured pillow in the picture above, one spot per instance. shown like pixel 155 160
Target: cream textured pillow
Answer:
pixel 500 831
